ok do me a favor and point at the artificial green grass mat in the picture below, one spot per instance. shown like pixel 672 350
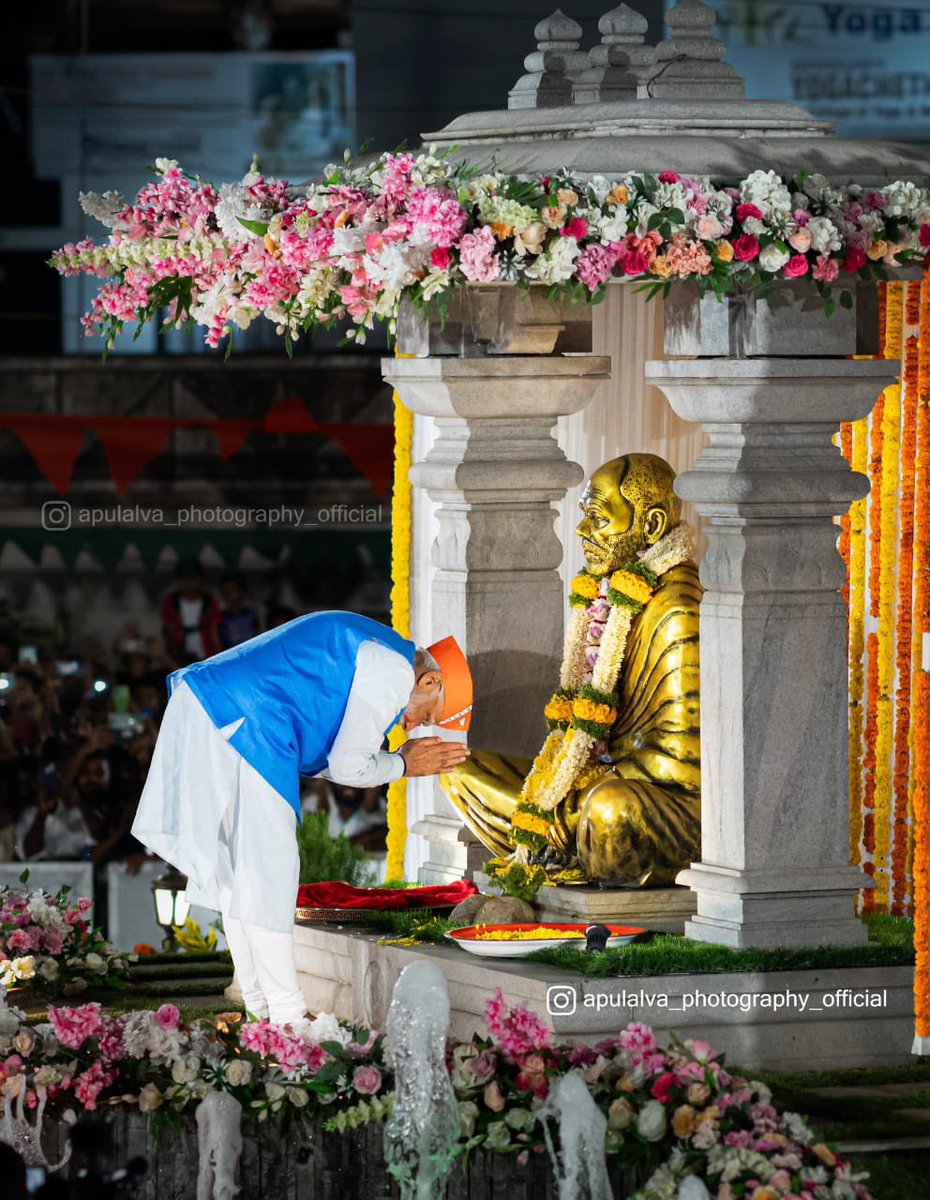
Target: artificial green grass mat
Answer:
pixel 891 944
pixel 896 1176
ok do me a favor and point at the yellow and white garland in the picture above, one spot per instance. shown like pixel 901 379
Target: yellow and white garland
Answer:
pixel 583 710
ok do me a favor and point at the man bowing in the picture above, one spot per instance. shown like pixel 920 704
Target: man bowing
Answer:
pixel 316 696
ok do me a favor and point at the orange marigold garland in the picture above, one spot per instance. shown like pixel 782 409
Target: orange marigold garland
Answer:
pixel 846 441
pixel 904 632
pixel 884 744
pixel 920 712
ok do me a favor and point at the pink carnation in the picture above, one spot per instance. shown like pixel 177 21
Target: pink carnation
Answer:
pixel 89 1085
pixel 73 1026
pixel 595 264
pixel 826 269
pixel 479 262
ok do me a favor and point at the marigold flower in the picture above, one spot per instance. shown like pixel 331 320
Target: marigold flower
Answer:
pixel 631 585
pixel 585 585
pixel 501 230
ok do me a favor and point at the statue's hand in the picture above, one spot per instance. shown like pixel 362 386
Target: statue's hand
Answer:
pixel 556 836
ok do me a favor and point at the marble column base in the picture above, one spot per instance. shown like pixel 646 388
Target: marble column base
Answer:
pixel 779 907
pixel 448 857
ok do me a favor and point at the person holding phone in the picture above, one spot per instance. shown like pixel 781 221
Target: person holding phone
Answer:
pixel 315 696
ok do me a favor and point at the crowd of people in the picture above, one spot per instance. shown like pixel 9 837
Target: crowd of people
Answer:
pixel 77 732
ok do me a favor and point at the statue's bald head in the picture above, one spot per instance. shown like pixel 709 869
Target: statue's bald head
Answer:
pixel 628 504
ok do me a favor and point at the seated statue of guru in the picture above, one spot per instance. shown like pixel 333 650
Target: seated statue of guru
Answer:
pixel 614 794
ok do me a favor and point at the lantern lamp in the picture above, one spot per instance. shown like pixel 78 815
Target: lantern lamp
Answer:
pixel 171 907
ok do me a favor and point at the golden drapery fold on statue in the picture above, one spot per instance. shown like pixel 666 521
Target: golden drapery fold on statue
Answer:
pixel 632 817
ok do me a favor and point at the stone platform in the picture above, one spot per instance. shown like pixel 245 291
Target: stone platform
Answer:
pixel 661 909
pixel 348 972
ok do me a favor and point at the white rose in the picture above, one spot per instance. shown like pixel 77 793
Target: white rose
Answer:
pixel 773 259
pixel 754 226
pixel 274 1091
pixel 692 1188
pixel 614 227
pixel 298 1097
pixel 652 1121
pixel 25 967
pixel 150 1098
pixel 238 1073
pixel 94 962
pixel 185 1069
pixel 468 1116
pixel 163 165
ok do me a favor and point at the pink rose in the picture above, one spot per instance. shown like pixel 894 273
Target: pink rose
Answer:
pixel 669 177
pixel 635 263
pixel 800 240
pixel 440 257
pixel 924 236
pixel 796 266
pixel 483 1066
pixel 744 211
pixel 366 1080
pixel 855 260
pixel 576 228
pixel 167 1016
pixel 493 1096
pixel 746 248
pixel 84 904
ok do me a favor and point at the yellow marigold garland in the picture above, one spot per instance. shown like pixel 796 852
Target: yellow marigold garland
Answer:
pixel 401 531
pixel 857 525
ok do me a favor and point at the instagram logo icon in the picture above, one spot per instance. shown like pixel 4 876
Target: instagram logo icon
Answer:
pixel 56 516
pixel 561 1000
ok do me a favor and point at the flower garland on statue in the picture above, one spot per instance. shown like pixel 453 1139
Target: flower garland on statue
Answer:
pixel 584 708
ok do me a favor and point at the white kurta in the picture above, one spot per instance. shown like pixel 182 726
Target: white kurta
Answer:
pixel 208 812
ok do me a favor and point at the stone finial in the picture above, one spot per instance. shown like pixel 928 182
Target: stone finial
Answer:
pixel 552 66
pixel 691 61
pixel 622 64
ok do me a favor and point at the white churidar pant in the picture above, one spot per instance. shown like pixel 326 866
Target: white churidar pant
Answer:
pixel 206 811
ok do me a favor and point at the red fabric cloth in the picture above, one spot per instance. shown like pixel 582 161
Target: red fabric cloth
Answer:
pixel 341 895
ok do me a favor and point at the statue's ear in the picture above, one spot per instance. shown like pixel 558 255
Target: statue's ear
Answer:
pixel 655 525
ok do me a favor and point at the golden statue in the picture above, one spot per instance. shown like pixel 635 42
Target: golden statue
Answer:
pixel 614 794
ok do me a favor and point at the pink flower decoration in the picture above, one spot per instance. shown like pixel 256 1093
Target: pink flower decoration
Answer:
pixel 595 264
pixel 796 266
pixel 663 1087
pixel 366 1080
pixel 167 1016
pixel 855 260
pixel 635 263
pixel 483 1066
pixel 517 1031
pixel 669 177
pixel 478 261
pixel 744 211
pixel 924 236
pixel 595 631
pixel 826 269
pixel 440 258
pixel 73 1026
pixel 576 228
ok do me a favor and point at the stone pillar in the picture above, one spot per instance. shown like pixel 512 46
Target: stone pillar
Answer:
pixel 494 472
pixel 775 867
